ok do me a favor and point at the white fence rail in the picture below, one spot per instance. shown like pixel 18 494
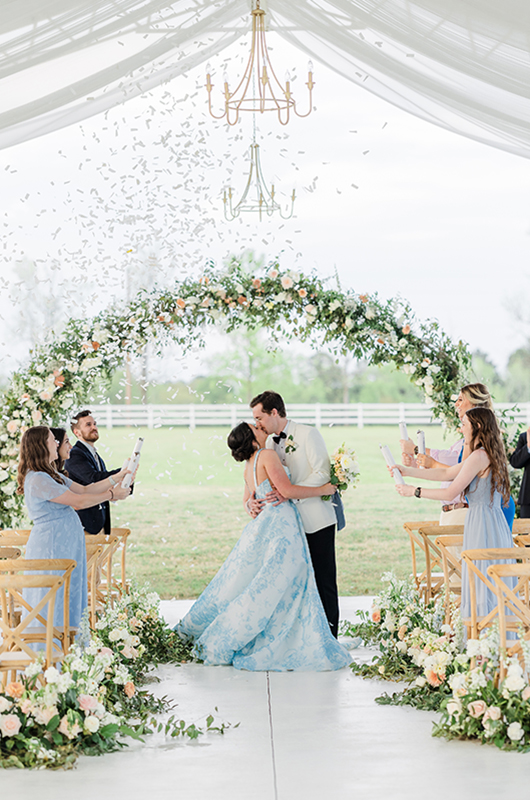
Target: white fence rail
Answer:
pixel 197 415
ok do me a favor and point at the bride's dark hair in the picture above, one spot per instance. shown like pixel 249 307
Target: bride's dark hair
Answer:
pixel 241 441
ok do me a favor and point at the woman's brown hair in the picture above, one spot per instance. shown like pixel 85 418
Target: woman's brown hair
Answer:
pixel 485 433
pixel 35 456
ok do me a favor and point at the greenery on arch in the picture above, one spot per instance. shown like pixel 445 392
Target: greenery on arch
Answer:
pixel 62 373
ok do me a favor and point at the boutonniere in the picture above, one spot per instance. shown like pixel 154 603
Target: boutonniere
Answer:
pixel 290 445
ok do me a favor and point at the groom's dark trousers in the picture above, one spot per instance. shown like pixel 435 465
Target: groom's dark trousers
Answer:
pixel 322 548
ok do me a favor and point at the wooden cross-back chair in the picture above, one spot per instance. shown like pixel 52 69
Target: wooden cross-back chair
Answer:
pixel 9 552
pixel 434 578
pixel 14 537
pixel 476 624
pixel 93 555
pixel 108 588
pixel 417 546
pixel 122 585
pixel 18 636
pixel 450 548
pixel 513 607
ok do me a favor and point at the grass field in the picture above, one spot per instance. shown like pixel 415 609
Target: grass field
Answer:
pixel 186 512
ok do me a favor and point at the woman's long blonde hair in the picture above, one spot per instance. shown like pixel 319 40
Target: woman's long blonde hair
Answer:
pixel 35 456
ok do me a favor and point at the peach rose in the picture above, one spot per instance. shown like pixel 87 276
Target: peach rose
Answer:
pixel 256 283
pixel 9 724
pixel 401 632
pixel 181 303
pixel 95 345
pixel 363 298
pixel 242 300
pixel 59 381
pixel 525 694
pixel 433 678
pixel 287 282
pixel 70 730
pixel 376 615
pixel 302 292
pixel 273 274
pixel 477 708
pixel 26 706
pixel 406 328
pixel 15 690
pixel 36 415
pixel 129 689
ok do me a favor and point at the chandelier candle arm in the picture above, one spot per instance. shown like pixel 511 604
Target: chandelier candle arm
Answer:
pixel 259 72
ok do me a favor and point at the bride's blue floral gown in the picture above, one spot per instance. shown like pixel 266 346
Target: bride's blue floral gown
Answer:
pixel 262 611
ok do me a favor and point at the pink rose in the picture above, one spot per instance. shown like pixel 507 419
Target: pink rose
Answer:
pixel 26 706
pixel 70 730
pixel 44 715
pixel 87 702
pixel 129 689
pixel 9 724
pixel 477 708
pixel 525 694
pixel 287 282
pixel 493 712
pixel 106 651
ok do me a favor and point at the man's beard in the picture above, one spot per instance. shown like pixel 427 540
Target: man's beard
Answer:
pixel 93 436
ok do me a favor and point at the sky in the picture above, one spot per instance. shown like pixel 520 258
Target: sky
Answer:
pixel 388 202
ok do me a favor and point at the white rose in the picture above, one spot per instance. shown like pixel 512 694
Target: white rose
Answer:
pixel 515 731
pixel 334 305
pixel 454 707
pixel 5 704
pixel 287 282
pixel 92 724
pixel 420 681
pixel 401 647
pixel 514 683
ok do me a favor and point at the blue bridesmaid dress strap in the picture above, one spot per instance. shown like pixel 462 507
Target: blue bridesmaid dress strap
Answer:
pixel 255 466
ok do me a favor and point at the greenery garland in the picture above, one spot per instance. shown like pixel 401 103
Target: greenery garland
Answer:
pixel 61 374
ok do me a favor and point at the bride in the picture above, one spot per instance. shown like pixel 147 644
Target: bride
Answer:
pixel 262 610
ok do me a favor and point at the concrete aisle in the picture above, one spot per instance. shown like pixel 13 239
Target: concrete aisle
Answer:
pixel 302 736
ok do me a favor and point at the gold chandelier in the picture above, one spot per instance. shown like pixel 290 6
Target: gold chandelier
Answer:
pixel 272 96
pixel 256 196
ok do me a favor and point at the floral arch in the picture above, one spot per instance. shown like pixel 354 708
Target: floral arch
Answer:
pixel 290 304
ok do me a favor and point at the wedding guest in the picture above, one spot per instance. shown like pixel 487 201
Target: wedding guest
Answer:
pixel 63 449
pixel 483 477
pixel 85 466
pixel 520 459
pixel 473 395
pixel 52 499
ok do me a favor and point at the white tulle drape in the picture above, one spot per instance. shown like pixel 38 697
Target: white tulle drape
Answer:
pixel 461 64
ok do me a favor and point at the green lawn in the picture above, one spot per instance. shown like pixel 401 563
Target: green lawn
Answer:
pixel 186 512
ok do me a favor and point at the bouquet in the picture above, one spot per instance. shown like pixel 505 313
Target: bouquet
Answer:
pixel 344 469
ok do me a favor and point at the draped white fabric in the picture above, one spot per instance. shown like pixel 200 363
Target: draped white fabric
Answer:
pixel 461 64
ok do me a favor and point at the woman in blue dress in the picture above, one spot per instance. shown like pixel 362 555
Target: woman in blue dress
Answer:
pixel 473 395
pixel 51 498
pixel 483 476
pixel 262 610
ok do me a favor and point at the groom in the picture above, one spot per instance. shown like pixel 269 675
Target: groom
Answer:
pixel 302 449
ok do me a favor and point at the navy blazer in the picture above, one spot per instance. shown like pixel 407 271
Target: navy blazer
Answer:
pixel 83 468
pixel 520 459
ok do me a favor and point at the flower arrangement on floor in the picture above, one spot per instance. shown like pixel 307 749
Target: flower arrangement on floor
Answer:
pixel 94 702
pixel 444 674
pixel 62 373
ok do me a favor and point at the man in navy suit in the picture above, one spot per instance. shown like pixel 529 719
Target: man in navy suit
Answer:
pixel 86 466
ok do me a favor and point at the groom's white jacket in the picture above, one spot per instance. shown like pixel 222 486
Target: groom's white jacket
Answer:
pixel 309 465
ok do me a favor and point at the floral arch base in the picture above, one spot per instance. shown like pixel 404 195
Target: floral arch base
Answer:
pixel 291 305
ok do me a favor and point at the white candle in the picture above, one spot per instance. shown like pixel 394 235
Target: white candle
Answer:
pixel 421 442
pixel 387 455
pixel 403 433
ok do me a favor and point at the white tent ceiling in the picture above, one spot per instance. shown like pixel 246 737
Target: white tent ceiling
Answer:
pixel 460 64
